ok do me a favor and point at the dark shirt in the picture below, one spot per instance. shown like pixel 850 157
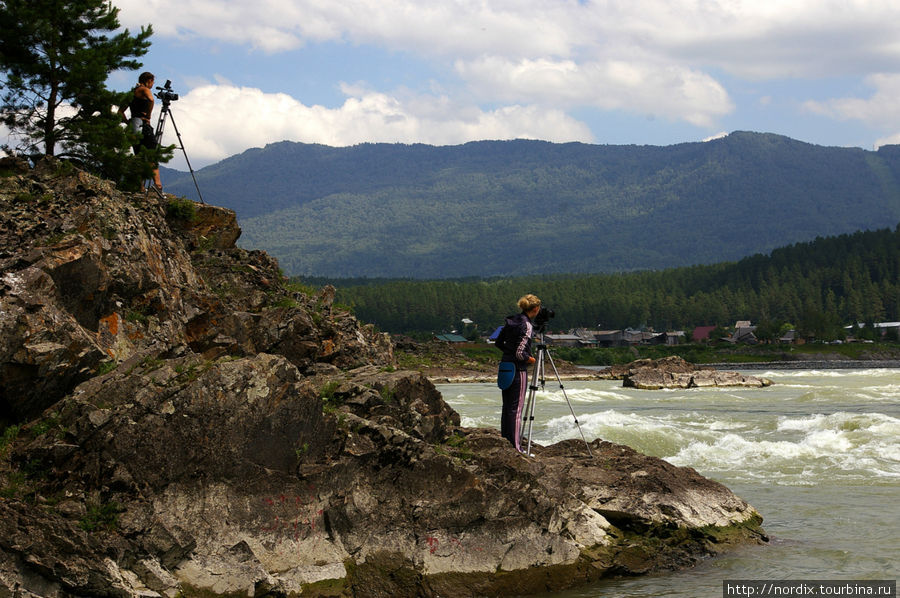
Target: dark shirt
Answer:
pixel 515 340
pixel 140 107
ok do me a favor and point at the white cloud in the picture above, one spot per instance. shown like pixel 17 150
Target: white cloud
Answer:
pixel 889 140
pixel 255 118
pixel 437 28
pixel 881 109
pixel 667 59
pixel 760 38
pixel 668 91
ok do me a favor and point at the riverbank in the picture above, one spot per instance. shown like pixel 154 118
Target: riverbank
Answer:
pixel 450 364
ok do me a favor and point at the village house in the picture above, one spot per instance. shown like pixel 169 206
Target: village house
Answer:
pixel 789 338
pixel 701 333
pixel 674 338
pixel 743 333
pixel 563 340
pixel 643 337
pixel 609 338
pixel 882 328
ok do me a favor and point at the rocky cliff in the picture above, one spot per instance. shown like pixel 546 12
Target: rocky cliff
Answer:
pixel 179 421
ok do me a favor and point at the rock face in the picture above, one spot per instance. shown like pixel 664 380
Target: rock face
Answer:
pixel 675 372
pixel 181 422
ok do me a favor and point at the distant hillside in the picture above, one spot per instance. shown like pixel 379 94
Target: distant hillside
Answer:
pixel 818 287
pixel 531 207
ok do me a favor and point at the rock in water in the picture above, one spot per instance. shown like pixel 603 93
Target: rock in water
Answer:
pixel 675 372
pixel 179 420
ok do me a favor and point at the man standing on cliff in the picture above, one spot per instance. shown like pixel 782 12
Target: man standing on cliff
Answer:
pixel 515 342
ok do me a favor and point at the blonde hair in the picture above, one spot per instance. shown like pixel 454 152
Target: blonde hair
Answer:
pixel 529 302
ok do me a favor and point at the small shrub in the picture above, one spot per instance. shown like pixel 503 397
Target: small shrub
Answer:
pixel 327 393
pixel 106 367
pixel 136 317
pixel 45 425
pixel 286 302
pixel 299 452
pixel 457 442
pixel 388 394
pixel 9 435
pixel 181 208
pixel 328 389
pixel 14 484
pixel 101 516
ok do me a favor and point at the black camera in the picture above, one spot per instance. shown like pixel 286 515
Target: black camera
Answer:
pixel 165 92
pixel 543 316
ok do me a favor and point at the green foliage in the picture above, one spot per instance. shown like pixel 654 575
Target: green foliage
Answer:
pixel 181 208
pixel 105 146
pixel 136 317
pixel 481 353
pixel 519 208
pixel 15 483
pixel 329 389
pixel 328 394
pixel 301 451
pixel 285 302
pixel 50 421
pixel 457 442
pixel 106 367
pixel 388 394
pixel 8 437
pixel 101 516
pixel 816 287
pixel 55 59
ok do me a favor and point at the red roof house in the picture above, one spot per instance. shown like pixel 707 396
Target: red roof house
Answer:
pixel 701 333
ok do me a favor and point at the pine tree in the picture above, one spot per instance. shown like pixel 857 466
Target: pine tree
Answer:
pixel 55 58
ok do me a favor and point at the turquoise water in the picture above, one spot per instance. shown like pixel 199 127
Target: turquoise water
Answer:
pixel 817 454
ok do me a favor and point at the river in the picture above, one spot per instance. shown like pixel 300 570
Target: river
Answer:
pixel 817 454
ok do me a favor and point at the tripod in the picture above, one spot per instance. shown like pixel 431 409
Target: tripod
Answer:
pixel 537 377
pixel 164 115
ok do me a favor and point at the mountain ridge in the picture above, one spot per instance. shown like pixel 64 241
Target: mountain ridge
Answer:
pixel 533 207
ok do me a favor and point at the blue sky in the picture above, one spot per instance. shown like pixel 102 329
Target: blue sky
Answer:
pixel 444 72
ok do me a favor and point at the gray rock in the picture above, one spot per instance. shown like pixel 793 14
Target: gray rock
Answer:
pixel 675 372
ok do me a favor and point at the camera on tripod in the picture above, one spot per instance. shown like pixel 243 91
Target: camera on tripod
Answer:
pixel 537 381
pixel 166 94
pixel 543 316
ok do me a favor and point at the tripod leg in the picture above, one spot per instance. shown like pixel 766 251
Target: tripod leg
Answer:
pixel 528 412
pixel 572 411
pixel 537 378
pixel 186 159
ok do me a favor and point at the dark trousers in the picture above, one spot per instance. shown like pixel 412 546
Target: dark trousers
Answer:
pixel 513 403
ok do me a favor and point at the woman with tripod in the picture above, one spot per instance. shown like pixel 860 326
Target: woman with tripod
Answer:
pixel 140 107
pixel 515 342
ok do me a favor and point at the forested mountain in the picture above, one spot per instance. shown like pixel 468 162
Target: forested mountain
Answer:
pixel 818 286
pixel 531 207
